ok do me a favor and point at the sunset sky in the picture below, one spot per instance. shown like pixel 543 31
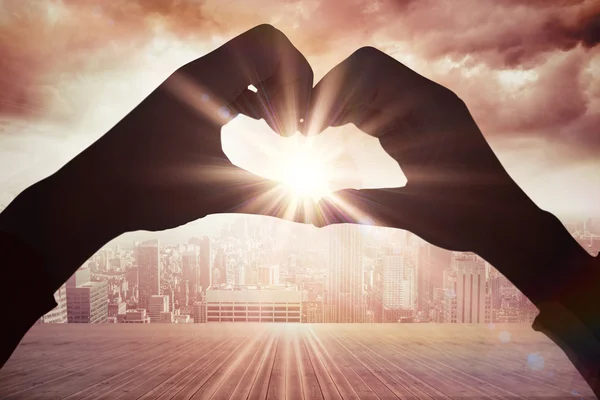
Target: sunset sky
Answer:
pixel 529 70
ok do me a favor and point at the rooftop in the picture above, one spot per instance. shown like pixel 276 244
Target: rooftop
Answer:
pixel 288 361
pixel 229 287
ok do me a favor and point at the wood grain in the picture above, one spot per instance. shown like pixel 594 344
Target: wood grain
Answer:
pixel 289 361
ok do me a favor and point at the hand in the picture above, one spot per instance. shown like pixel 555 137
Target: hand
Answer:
pixel 458 195
pixel 163 165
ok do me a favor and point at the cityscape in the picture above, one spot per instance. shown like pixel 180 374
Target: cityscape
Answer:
pixel 267 270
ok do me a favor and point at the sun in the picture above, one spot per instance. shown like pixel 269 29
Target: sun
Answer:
pixel 305 174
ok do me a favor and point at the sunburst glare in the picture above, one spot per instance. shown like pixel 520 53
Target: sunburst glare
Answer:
pixel 305 173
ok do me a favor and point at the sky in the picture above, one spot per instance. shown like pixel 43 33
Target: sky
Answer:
pixel 529 71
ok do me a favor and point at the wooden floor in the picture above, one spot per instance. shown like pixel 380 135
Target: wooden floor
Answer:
pixel 289 361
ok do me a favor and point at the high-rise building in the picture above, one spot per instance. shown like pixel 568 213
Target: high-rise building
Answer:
pixel 158 304
pixel 470 287
pixel 239 275
pixel 134 317
pixel 220 268
pixel 183 294
pixel 190 266
pixel 87 302
pixel 268 274
pixel 199 312
pixel 345 281
pixel 393 276
pixel 495 286
pixel 449 302
pixel 58 315
pixel 254 304
pixel 116 307
pixel 424 279
pixel 148 263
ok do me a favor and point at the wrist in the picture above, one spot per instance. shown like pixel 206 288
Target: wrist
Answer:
pixel 62 221
pixel 537 254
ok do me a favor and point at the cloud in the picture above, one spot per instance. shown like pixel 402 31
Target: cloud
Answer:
pixel 554 41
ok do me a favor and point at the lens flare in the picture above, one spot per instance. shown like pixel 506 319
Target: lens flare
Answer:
pixel 305 175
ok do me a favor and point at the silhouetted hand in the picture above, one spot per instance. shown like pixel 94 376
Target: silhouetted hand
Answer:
pixel 164 163
pixel 458 195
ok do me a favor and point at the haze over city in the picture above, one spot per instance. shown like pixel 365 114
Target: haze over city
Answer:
pixel 345 311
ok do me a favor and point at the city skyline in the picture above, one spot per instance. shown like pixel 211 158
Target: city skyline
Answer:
pixel 257 272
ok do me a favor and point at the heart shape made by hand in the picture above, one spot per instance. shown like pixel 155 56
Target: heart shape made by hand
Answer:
pixel 314 166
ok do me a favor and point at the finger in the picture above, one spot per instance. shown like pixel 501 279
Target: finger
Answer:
pixel 394 208
pixel 400 208
pixel 265 58
pixel 352 90
pixel 416 120
pixel 248 103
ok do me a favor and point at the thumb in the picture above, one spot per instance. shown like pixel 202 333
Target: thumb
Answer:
pixel 391 207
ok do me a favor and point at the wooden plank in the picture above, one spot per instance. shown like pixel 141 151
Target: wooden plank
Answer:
pixel 180 380
pixel 311 389
pixel 227 377
pixel 276 380
pixel 326 384
pixel 293 361
pixel 242 390
pixel 260 386
pixel 147 377
pixel 343 386
pixel 376 386
pixel 212 367
pixel 293 376
pixel 47 367
pixel 470 385
pixel 82 373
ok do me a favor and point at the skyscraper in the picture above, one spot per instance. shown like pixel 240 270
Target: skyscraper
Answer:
pixel 220 268
pixel 470 287
pixel 206 263
pixel 345 282
pixel 87 302
pixel 158 305
pixel 424 279
pixel 190 266
pixel 58 315
pixel 148 263
pixel 393 275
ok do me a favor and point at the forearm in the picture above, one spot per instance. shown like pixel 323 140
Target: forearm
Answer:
pixel 64 220
pixel 549 267
pixel 46 234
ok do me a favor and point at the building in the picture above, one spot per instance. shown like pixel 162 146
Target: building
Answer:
pixel 165 317
pixel 268 275
pixel 424 279
pixel 182 319
pixel 449 304
pixel 199 312
pixel 495 286
pixel 134 317
pixel 470 288
pixel 312 312
pixel 147 258
pixel 345 289
pixel 116 307
pixel 58 315
pixel 87 302
pixel 206 262
pixel 253 304
pixel 190 267
pixel 219 276
pixel 158 304
pixel 588 240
